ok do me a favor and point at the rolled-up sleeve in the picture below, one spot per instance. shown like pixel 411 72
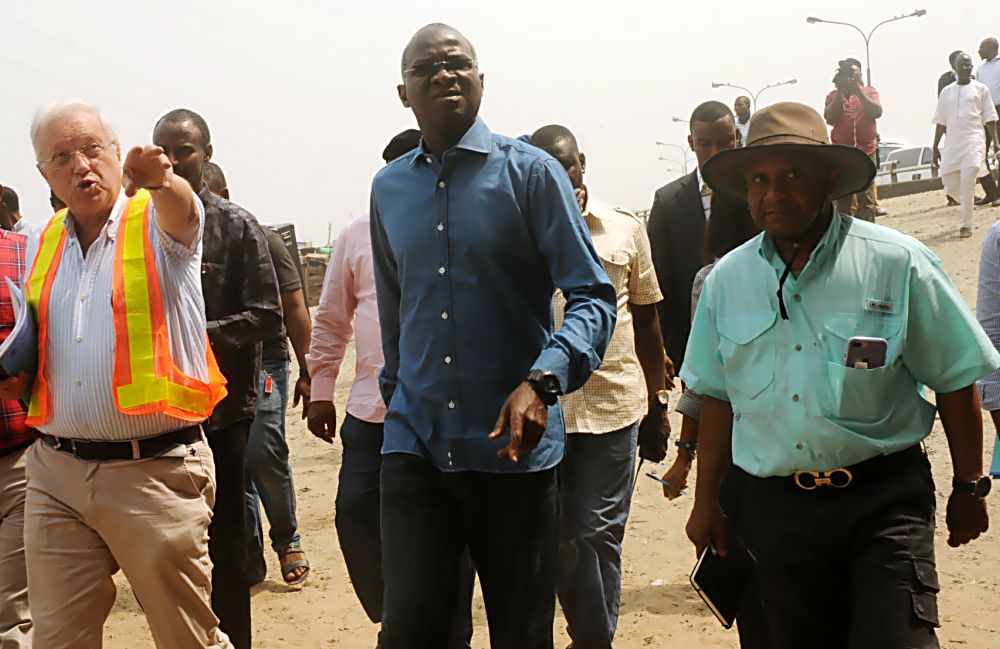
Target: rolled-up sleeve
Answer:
pixel 988 311
pixel 945 348
pixel 643 287
pixel 703 371
pixel 577 348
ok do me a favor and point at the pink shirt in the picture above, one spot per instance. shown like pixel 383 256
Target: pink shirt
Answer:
pixel 346 306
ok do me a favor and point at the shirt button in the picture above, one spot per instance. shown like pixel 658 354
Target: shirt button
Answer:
pixel 79 339
pixel 442 184
pixel 440 227
pixel 447 360
pixel 798 298
pixel 444 315
pixel 83 298
pixel 799 446
pixel 441 271
pixel 429 160
pixel 451 405
pixel 798 347
pixel 795 397
pixel 79 383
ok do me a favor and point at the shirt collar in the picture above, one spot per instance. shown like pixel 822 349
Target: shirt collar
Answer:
pixel 478 139
pixel 828 245
pixel 598 210
pixel 701 181
pixel 111 227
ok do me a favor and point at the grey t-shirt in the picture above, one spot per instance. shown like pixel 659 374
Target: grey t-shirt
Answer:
pixel 276 349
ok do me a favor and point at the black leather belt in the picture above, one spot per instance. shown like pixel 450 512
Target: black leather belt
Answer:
pixel 131 450
pixel 878 467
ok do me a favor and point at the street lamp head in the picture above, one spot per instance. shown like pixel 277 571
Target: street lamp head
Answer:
pixel 812 20
pixel 792 82
pixel 717 85
pixel 920 12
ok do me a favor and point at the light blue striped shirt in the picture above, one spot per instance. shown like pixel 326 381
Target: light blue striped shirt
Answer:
pixel 81 340
pixel 988 310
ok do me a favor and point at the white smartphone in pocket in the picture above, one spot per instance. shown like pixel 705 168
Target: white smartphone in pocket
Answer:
pixel 866 353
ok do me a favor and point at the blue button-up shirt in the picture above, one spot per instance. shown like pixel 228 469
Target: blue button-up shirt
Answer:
pixel 796 404
pixel 468 253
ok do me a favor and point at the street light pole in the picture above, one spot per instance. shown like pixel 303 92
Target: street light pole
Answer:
pixel 683 150
pixel 753 95
pixel 812 20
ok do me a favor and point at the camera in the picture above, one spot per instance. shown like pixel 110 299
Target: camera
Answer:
pixel 844 78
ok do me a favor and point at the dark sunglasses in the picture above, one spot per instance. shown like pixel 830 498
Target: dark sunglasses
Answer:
pixel 430 68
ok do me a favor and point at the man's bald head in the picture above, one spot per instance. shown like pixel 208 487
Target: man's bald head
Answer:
pixel 433 30
pixel 989 49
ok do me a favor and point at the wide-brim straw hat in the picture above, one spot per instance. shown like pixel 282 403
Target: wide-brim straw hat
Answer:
pixel 794 127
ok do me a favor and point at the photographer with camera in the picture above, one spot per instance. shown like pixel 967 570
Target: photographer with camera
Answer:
pixel 851 110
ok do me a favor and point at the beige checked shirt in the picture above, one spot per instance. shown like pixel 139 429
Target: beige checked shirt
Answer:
pixel 615 395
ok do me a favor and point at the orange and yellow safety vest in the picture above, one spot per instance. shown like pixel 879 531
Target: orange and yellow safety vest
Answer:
pixel 146 378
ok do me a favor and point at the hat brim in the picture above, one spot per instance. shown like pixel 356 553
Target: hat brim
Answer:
pixel 725 172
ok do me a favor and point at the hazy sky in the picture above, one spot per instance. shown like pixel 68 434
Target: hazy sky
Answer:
pixel 300 95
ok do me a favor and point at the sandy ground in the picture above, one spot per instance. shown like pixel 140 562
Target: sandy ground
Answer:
pixel 659 608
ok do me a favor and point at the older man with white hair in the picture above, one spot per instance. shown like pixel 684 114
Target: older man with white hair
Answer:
pixel 122 476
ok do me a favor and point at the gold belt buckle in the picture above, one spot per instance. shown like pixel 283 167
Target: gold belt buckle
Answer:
pixel 812 480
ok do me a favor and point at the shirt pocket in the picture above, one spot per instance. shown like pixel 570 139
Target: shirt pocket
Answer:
pixel 616 265
pixel 746 344
pixel 852 393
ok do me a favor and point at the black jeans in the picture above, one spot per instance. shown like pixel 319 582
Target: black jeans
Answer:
pixel 227 534
pixel 360 531
pixel 848 568
pixel 510 525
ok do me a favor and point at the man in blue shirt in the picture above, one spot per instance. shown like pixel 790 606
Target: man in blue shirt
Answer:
pixel 811 343
pixel 472 232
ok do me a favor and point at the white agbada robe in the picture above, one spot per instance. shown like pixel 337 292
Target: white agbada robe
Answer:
pixel 964 111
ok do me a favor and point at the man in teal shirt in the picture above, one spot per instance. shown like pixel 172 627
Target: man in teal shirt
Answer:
pixel 825 479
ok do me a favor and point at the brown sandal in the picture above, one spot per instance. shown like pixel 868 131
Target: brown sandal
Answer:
pixel 290 567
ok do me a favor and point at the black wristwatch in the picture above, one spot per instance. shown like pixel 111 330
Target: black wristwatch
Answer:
pixel 304 374
pixel 980 487
pixel 546 386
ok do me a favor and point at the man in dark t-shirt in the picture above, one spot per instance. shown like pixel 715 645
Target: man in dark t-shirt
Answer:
pixel 269 475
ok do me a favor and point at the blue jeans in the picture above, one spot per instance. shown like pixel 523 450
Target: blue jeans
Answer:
pixel 596 479
pixel 269 476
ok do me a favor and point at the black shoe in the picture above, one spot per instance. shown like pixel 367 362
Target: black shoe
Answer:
pixel 985 200
pixel 952 202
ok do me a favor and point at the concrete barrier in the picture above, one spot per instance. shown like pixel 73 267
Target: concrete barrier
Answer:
pixel 909 187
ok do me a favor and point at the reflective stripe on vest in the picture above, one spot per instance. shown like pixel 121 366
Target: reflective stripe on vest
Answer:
pixel 146 378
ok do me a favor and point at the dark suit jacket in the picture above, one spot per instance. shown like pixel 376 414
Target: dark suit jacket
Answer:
pixel 677 237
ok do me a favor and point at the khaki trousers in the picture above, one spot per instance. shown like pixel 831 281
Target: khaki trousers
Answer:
pixel 150 517
pixel 15 621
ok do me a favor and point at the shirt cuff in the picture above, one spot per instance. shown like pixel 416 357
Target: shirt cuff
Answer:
pixel 322 388
pixel 553 360
pixel 645 299
pixel 690 404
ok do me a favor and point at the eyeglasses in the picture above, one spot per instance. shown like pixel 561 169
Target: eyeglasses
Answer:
pixel 90 152
pixel 430 68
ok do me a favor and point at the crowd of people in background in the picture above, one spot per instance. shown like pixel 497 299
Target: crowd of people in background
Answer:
pixel 517 340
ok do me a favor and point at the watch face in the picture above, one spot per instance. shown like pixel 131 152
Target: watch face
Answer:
pixel 663 397
pixel 983 486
